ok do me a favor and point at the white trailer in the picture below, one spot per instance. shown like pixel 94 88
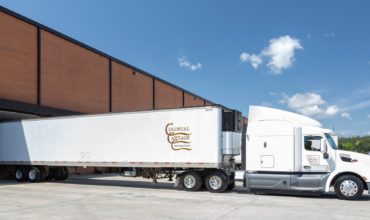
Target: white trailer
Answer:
pixel 198 144
pixel 287 152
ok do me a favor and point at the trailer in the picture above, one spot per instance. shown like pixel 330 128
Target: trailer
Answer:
pixel 197 145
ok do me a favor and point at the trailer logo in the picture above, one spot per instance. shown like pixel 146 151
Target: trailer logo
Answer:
pixel 178 137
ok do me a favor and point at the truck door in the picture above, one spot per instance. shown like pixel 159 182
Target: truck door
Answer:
pixel 313 154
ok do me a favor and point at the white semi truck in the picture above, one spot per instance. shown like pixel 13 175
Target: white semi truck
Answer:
pixel 288 152
pixel 284 152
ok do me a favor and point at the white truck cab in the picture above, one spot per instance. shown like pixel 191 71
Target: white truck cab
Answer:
pixel 288 152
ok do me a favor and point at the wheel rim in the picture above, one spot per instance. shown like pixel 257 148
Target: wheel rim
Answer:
pixel 215 182
pixel 18 174
pixel 189 181
pixel 348 188
pixel 32 174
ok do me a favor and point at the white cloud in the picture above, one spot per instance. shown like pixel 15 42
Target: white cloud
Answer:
pixel 346 115
pixel 329 34
pixel 266 104
pixel 310 104
pixel 185 63
pixel 281 53
pixel 357 106
pixel 332 110
pixel 254 59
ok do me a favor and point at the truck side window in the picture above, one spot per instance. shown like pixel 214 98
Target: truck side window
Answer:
pixel 312 143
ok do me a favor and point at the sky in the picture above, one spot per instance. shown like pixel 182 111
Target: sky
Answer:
pixel 309 57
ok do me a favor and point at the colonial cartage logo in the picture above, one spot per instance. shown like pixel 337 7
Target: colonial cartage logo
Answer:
pixel 178 137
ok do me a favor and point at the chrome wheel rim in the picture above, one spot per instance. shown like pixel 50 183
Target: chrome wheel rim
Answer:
pixel 32 174
pixel 215 182
pixel 18 174
pixel 189 181
pixel 348 188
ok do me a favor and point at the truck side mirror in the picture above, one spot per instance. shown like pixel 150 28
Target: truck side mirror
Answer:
pixel 326 155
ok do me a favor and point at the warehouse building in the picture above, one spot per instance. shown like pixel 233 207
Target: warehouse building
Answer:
pixel 45 73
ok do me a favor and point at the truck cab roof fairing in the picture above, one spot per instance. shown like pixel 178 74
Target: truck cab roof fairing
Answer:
pixel 259 113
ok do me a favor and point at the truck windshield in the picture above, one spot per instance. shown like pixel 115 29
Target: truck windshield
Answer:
pixel 331 141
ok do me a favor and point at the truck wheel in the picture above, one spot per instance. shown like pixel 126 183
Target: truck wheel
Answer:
pixel 20 174
pixel 216 182
pixel 60 173
pixel 34 174
pixel 191 181
pixel 65 173
pixel 348 187
pixel 231 186
pixel 43 173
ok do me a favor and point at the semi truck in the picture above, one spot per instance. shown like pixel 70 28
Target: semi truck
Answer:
pixel 288 152
pixel 283 152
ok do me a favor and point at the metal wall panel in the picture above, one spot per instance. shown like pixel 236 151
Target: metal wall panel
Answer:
pixel 18 60
pixel 167 96
pixel 131 90
pixel 191 101
pixel 73 77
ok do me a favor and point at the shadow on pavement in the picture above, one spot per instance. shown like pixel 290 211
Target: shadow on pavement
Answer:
pixel 330 195
pixel 97 181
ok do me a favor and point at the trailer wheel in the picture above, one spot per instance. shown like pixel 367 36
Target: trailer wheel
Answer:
pixel 191 181
pixel 34 174
pixel 20 174
pixel 44 173
pixel 60 173
pixel 348 187
pixel 216 182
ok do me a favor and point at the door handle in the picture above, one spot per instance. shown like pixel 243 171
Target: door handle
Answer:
pixel 307 167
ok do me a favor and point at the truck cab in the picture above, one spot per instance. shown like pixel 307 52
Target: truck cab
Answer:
pixel 291 153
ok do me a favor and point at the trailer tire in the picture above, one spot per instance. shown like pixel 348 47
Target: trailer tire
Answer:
pixel 20 174
pixel 191 181
pixel 217 182
pixel 34 174
pixel 348 187
pixel 44 173
pixel 60 173
pixel 65 173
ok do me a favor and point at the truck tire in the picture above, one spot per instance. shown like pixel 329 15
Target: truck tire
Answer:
pixel 348 187
pixel 191 181
pixel 44 173
pixel 20 174
pixel 217 182
pixel 65 173
pixel 60 173
pixel 34 174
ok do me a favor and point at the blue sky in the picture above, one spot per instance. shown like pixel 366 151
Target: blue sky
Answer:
pixel 310 57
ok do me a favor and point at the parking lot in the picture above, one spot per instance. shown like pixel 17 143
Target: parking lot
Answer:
pixel 115 197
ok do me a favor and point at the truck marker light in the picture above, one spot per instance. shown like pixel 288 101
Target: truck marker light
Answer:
pixel 354 160
pixel 364 178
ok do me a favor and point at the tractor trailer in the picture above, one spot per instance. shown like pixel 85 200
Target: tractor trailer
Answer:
pixel 283 152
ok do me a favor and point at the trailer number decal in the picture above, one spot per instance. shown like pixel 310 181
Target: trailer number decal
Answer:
pixel 178 136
